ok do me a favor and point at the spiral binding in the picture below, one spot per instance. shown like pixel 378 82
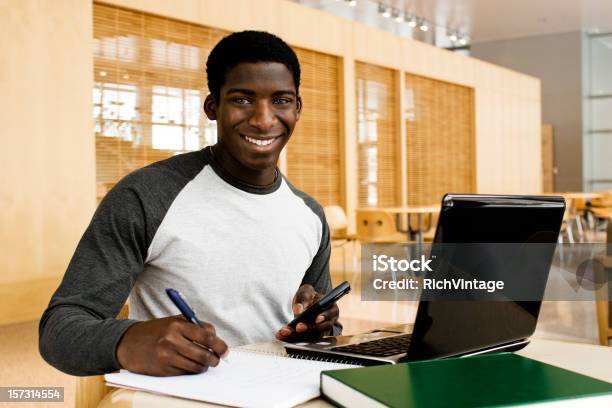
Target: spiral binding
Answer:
pixel 258 351
pixel 321 358
pixel 297 356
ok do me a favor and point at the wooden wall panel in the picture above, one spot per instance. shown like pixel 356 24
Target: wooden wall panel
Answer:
pixel 47 171
pixel 548 159
pixel 440 139
pixel 26 300
pixel 47 166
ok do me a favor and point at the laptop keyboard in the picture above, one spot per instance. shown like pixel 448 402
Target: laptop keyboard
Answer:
pixel 389 346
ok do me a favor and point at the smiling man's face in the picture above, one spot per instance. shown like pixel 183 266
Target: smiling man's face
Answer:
pixel 256 114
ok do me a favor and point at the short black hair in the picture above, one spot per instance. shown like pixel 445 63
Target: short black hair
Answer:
pixel 248 46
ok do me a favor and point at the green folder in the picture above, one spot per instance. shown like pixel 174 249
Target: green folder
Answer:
pixel 480 381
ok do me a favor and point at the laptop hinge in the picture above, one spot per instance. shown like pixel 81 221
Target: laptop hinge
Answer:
pixel 514 346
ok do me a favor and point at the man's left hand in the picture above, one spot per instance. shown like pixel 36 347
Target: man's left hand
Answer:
pixel 304 297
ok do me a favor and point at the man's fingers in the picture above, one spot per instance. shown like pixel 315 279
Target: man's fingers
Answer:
pixel 319 326
pixel 304 297
pixel 323 327
pixel 206 337
pixel 330 314
pixel 305 293
pixel 293 335
pixel 187 365
pixel 298 308
pixel 199 354
pixel 170 371
pixel 323 322
pixel 285 333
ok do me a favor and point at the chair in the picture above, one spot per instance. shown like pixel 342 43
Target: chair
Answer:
pixel 604 201
pixel 603 293
pixel 428 236
pixel 375 226
pixel 601 209
pixel 566 225
pixel 379 227
pixel 337 221
pixel 91 390
pixel 580 206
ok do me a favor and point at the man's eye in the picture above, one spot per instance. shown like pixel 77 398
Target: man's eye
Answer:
pixel 282 101
pixel 241 101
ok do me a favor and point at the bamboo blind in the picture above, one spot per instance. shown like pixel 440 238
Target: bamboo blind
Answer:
pixel 150 84
pixel 314 158
pixel 378 136
pixel 440 138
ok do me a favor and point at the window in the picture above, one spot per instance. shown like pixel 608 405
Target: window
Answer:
pixel 149 88
pixel 598 105
pixel 377 136
pixel 115 110
pixel 179 122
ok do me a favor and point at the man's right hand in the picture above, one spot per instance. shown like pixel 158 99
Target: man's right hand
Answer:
pixel 164 347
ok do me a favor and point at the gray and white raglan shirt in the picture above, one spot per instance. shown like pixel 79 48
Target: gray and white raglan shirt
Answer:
pixel 237 252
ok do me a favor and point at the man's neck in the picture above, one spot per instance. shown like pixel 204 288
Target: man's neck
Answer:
pixel 236 169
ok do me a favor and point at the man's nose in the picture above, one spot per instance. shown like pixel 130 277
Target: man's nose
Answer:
pixel 263 117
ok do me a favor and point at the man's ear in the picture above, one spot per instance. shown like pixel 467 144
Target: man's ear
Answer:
pixel 210 107
pixel 299 107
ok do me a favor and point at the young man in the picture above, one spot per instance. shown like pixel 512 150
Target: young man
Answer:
pixel 247 250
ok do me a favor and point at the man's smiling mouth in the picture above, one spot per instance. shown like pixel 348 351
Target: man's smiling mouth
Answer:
pixel 260 142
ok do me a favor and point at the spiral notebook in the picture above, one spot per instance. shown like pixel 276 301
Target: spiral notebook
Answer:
pixel 254 378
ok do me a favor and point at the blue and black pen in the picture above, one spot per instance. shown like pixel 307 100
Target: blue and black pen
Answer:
pixel 189 314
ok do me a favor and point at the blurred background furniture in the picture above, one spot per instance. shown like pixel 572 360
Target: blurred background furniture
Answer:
pixel 600 207
pixel 587 214
pixel 419 213
pixel 569 220
pixel 377 226
pixel 338 225
pixel 603 293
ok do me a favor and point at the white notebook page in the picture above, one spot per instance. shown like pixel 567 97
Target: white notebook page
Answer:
pixel 249 379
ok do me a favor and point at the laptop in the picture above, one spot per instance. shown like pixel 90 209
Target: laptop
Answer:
pixel 453 328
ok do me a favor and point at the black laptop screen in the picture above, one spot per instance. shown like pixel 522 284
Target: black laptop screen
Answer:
pixel 444 328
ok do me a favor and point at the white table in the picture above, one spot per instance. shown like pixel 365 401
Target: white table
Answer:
pixel 591 360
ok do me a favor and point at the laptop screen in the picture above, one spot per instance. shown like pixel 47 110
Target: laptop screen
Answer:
pixel 453 327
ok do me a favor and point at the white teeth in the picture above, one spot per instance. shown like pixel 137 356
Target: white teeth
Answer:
pixel 259 142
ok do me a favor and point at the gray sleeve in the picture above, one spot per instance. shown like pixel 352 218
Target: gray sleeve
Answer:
pixel 317 273
pixel 78 331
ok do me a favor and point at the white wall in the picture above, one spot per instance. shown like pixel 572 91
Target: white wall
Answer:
pixel 556 60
